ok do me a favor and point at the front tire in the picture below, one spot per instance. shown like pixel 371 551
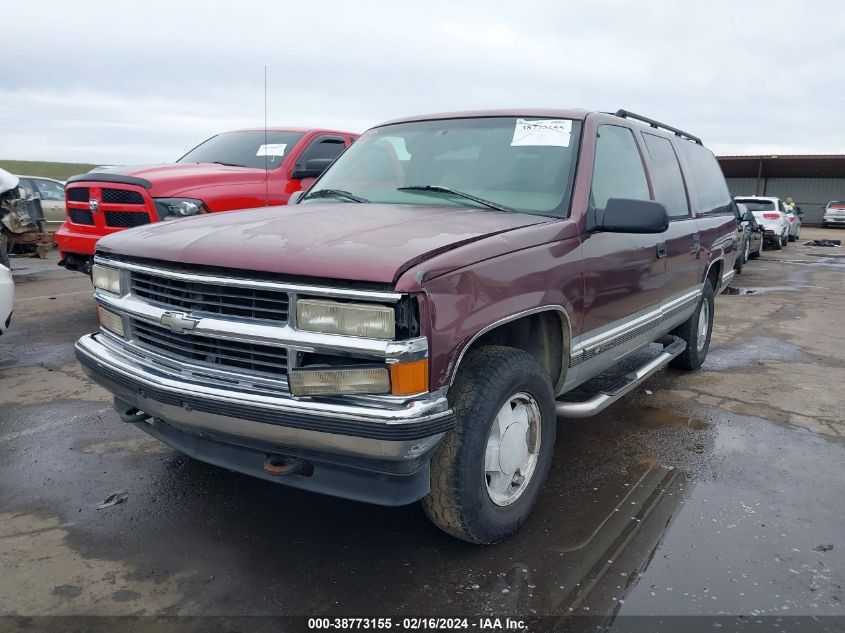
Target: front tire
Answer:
pixel 487 473
pixel 696 332
pixel 739 262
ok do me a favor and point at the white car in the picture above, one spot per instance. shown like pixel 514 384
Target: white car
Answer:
pixel 794 218
pixel 7 297
pixel 771 214
pixel 834 213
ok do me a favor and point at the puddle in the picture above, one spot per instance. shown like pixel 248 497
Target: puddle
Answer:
pixel 746 353
pixel 663 418
pixel 759 290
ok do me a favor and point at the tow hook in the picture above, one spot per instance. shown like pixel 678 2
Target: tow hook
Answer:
pixel 279 465
pixel 128 413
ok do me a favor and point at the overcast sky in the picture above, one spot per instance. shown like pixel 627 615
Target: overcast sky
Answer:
pixel 114 82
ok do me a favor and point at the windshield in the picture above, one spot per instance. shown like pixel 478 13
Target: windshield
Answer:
pixel 499 163
pixel 249 148
pixel 759 205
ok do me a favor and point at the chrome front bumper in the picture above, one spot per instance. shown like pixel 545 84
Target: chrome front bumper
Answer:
pixel 388 431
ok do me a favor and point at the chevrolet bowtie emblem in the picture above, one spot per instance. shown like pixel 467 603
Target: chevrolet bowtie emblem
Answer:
pixel 178 322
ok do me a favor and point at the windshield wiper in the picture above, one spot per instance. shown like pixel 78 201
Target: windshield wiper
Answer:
pixel 335 193
pixel 460 194
pixel 220 162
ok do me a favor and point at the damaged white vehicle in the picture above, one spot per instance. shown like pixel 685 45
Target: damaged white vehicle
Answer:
pixel 21 221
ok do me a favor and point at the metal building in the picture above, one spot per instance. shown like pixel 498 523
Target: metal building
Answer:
pixel 811 180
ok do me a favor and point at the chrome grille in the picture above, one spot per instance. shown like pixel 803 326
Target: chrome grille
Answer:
pixel 251 303
pixel 196 348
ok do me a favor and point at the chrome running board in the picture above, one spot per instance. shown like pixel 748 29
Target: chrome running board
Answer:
pixel 672 347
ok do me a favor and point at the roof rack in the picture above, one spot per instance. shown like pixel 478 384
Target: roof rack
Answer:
pixel 657 124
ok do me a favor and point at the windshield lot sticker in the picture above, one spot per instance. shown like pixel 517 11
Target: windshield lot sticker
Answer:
pixel 555 132
pixel 272 149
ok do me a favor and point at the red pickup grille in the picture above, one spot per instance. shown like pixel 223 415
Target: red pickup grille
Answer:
pixel 126 219
pixel 122 196
pixel 81 216
pixel 78 194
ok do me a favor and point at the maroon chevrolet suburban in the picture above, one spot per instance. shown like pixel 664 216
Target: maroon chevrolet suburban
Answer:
pixel 411 328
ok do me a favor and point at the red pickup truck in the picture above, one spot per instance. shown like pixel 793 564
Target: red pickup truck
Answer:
pixel 415 325
pixel 229 171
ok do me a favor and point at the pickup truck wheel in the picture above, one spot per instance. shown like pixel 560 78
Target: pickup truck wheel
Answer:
pixel 487 473
pixel 696 332
pixel 739 262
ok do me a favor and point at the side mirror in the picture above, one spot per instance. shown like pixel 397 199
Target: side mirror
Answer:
pixel 312 168
pixel 622 215
pixel 296 196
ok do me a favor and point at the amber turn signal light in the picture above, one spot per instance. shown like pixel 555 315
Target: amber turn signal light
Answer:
pixel 409 378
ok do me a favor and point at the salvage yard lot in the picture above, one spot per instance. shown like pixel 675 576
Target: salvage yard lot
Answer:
pixel 717 491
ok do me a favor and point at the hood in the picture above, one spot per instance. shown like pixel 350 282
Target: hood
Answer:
pixel 362 242
pixel 172 179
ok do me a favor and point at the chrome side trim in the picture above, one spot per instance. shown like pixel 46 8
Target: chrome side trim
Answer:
pixel 283 335
pixel 370 295
pixel 567 335
pixel 631 328
pixel 726 280
pixel 604 399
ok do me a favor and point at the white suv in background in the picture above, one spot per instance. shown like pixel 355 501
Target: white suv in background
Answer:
pixel 834 213
pixel 771 214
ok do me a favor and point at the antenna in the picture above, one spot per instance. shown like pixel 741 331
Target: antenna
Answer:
pixel 266 168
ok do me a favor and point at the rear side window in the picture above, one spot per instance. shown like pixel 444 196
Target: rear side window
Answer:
pixel 710 187
pixel 618 170
pixel 666 176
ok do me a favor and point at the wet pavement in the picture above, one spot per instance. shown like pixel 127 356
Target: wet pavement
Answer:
pixel 717 492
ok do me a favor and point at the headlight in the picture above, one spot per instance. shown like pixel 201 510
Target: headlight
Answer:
pixel 106 278
pixel 335 382
pixel 351 319
pixel 111 321
pixel 174 208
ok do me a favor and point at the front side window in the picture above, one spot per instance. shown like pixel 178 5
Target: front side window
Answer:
pixel 256 149
pixel 327 148
pixel 710 187
pixel 522 165
pixel 618 171
pixel 50 190
pixel 666 174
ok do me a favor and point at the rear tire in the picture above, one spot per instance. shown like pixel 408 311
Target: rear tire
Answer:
pixel 784 240
pixel 696 332
pixel 777 244
pixel 758 252
pixel 465 500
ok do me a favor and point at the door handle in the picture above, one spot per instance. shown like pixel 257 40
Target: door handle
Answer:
pixel 661 250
